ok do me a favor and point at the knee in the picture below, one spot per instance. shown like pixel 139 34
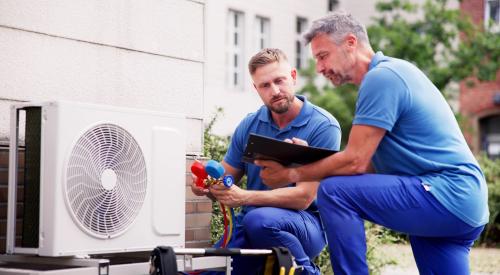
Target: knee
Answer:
pixel 321 193
pixel 258 220
pixel 327 191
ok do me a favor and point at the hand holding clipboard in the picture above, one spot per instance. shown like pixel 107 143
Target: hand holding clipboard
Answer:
pixel 288 154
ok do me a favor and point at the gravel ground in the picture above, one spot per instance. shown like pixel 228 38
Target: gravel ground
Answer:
pixel 483 260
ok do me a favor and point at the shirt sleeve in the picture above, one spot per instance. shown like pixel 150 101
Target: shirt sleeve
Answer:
pixel 327 137
pixel 382 98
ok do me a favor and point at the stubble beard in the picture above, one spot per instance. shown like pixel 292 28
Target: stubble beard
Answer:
pixel 281 107
pixel 337 79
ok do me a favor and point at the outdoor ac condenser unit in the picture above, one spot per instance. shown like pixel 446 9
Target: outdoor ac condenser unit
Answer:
pixel 97 179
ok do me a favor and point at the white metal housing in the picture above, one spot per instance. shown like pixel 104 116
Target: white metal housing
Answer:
pixel 160 218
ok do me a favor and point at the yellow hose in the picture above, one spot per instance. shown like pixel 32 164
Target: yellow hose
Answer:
pixel 230 218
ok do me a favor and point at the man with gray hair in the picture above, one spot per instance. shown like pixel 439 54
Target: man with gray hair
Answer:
pixel 406 165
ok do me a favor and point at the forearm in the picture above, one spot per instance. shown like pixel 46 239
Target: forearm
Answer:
pixel 356 159
pixel 298 197
pixel 342 163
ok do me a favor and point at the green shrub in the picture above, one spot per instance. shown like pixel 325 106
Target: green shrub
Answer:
pixel 491 170
pixel 215 147
pixel 323 262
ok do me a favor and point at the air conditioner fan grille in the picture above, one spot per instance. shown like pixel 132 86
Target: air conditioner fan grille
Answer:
pixel 106 180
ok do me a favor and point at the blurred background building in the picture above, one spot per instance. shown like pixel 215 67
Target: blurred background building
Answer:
pixel 480 102
pixel 238 29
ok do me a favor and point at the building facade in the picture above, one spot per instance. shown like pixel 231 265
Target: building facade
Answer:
pixel 154 55
pixel 141 54
pixel 480 103
pixel 238 29
pixel 179 56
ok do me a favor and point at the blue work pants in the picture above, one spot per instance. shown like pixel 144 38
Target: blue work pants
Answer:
pixel 264 227
pixel 440 241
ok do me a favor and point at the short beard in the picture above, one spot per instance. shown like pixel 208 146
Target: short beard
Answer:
pixel 341 78
pixel 282 108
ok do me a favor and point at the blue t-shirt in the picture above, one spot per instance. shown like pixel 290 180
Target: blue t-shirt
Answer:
pixel 423 138
pixel 313 124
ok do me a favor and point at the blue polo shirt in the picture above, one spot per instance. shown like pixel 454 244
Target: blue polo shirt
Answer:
pixel 423 138
pixel 313 124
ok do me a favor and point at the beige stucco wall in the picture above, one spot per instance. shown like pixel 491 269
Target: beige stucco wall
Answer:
pixel 143 54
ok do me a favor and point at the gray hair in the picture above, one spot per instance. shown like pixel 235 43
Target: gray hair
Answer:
pixel 337 25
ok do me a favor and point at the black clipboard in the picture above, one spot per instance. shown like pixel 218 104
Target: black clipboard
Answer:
pixel 288 154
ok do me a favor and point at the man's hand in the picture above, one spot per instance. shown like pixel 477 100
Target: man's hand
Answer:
pixel 232 197
pixel 276 175
pixel 297 141
pixel 198 191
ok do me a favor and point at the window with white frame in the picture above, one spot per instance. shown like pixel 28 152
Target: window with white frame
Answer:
pixel 301 53
pixel 235 45
pixel 492 13
pixel 489 130
pixel 262 33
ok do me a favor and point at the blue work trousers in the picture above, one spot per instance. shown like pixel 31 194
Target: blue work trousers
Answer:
pixel 440 241
pixel 264 227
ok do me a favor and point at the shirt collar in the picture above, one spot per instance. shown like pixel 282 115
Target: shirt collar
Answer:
pixel 300 120
pixel 377 58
